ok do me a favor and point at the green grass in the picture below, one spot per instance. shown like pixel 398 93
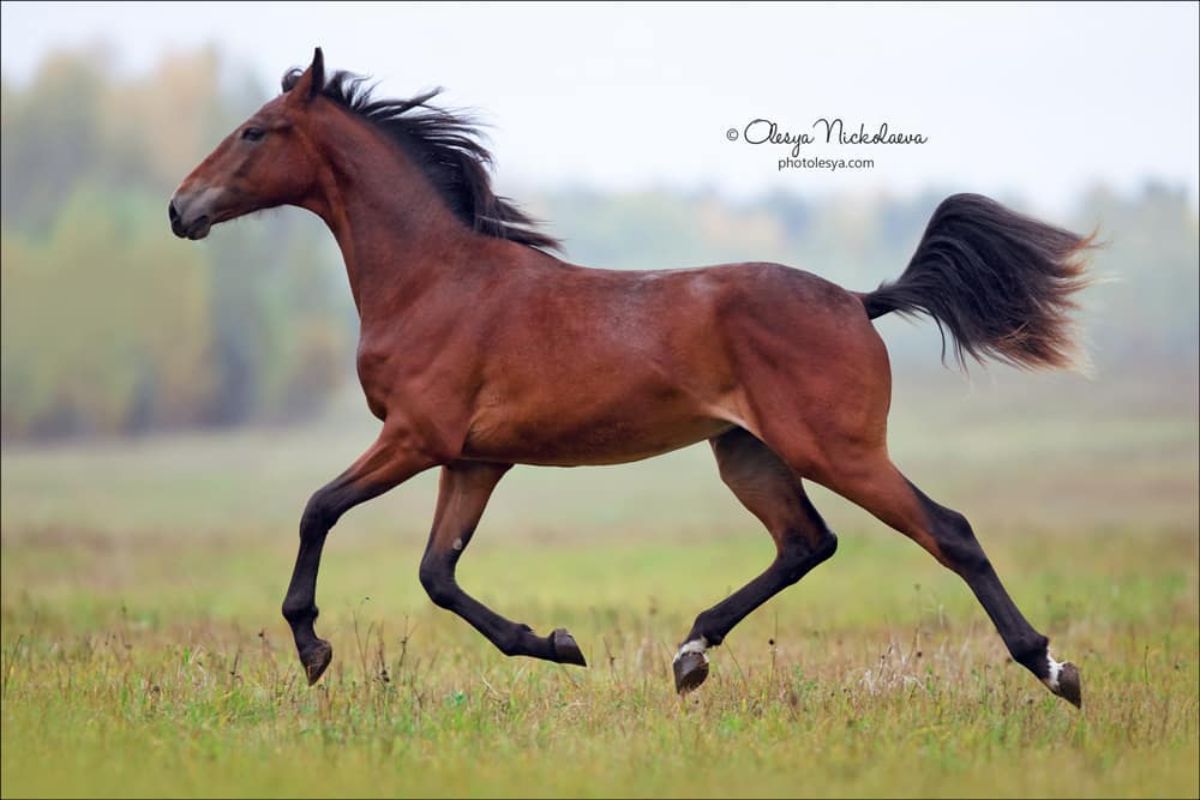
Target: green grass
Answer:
pixel 143 652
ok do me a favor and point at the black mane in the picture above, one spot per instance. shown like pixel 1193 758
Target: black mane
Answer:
pixel 447 148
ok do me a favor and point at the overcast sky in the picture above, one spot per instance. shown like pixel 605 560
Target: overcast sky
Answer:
pixel 1040 100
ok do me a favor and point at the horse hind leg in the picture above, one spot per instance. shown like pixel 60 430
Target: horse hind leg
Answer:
pixel 875 484
pixel 769 489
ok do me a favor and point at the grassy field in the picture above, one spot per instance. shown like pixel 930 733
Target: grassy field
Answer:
pixel 143 652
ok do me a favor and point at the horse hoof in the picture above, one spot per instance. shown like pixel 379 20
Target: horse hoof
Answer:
pixel 1069 686
pixel 691 669
pixel 566 651
pixel 316 660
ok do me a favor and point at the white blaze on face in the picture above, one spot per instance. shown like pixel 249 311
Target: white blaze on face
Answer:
pixel 694 646
pixel 1055 670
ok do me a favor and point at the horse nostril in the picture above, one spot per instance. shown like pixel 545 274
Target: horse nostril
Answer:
pixel 172 212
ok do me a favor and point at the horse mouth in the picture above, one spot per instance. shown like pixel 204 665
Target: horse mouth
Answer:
pixel 196 229
pixel 199 228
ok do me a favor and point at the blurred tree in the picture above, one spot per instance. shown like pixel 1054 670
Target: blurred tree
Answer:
pixel 51 139
pixel 110 324
pixel 1147 306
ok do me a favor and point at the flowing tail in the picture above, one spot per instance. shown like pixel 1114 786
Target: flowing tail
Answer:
pixel 1000 282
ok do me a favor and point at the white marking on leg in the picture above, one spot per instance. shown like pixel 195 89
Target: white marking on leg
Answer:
pixel 458 544
pixel 1054 669
pixel 694 646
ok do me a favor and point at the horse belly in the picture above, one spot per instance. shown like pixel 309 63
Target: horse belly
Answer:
pixel 565 439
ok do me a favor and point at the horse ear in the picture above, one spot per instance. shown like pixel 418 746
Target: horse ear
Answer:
pixel 316 74
pixel 312 80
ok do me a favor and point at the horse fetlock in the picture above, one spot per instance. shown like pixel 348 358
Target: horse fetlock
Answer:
pixel 709 627
pixel 512 642
pixel 297 613
pixel 1033 653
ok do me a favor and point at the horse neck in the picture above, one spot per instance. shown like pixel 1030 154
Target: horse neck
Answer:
pixel 396 234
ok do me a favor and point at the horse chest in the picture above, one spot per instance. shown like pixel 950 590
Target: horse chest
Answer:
pixel 372 366
pixel 411 388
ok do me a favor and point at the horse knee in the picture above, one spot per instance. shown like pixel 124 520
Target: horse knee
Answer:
pixel 319 515
pixel 438 582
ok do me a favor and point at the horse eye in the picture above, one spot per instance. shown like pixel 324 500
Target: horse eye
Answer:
pixel 253 134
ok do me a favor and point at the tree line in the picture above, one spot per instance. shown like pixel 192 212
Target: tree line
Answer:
pixel 110 325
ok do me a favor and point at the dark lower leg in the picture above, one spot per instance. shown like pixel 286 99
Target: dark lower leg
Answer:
pixel 958 549
pixel 948 536
pixel 511 638
pixel 1027 646
pixel 462 496
pixel 789 566
pixel 299 605
pixel 772 492
pixel 379 469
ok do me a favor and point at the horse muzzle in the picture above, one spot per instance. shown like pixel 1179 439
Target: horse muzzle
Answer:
pixel 191 214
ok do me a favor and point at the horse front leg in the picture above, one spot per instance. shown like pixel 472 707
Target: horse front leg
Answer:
pixel 390 461
pixel 462 495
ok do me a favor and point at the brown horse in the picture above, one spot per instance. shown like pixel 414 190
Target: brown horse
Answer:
pixel 479 350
